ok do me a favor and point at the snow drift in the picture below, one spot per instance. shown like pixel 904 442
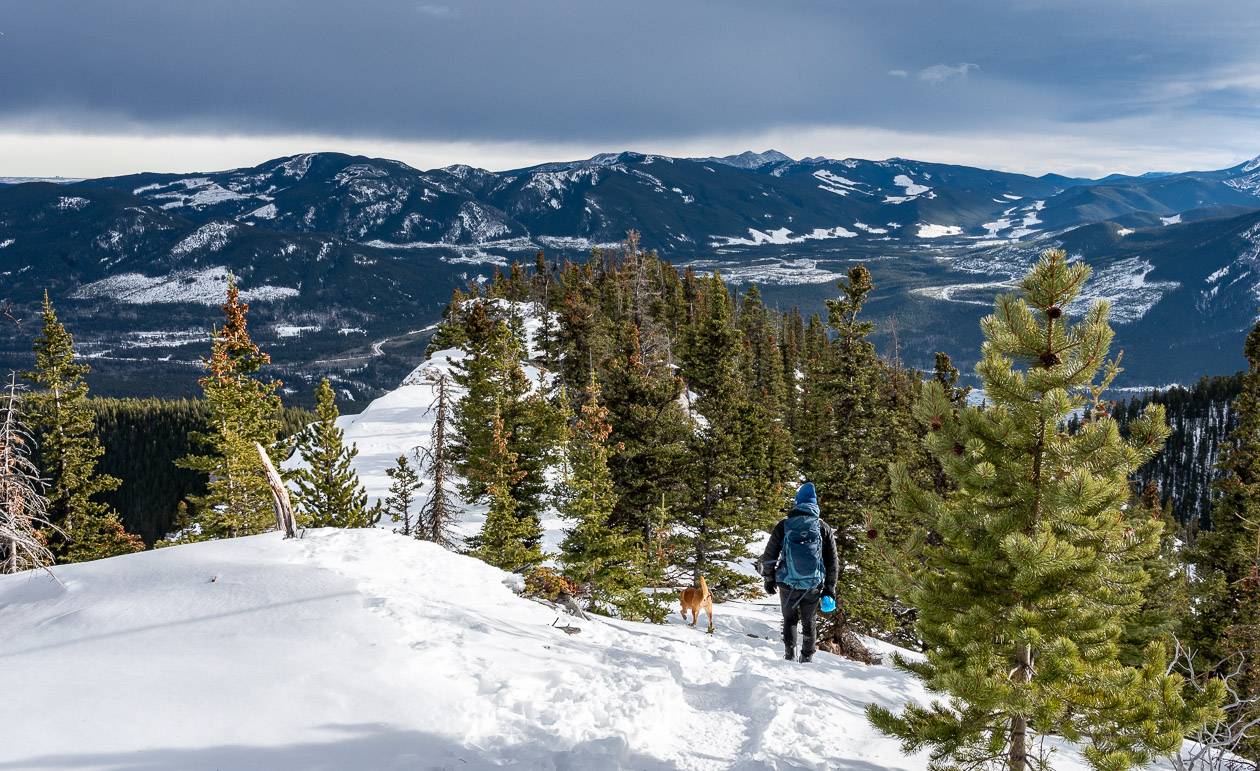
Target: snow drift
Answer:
pixel 362 649
pixel 365 649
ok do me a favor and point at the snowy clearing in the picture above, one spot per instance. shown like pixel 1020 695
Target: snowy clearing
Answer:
pixel 205 287
pixel 928 230
pixel 782 236
pixel 364 649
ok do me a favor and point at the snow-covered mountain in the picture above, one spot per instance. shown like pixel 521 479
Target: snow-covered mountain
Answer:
pixel 347 259
pixel 364 649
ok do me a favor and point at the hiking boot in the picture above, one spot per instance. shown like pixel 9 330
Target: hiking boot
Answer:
pixel 790 655
pixel 807 657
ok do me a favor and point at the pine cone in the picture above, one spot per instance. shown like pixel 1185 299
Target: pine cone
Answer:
pixel 1050 359
pixel 872 534
pixel 1054 311
pixel 959 449
pixel 936 423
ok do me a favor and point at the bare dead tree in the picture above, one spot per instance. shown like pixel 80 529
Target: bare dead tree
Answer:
pixel 438 514
pixel 23 508
pixel 280 502
pixel 1216 746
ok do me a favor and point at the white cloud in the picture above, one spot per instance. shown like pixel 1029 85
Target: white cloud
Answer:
pixel 436 11
pixel 939 73
pixel 899 73
pixel 1131 145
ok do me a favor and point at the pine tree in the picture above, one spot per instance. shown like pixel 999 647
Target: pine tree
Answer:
pixel 849 397
pixel 1165 597
pixel 725 502
pixel 451 331
pixel 605 561
pixel 945 373
pixel 496 387
pixel 507 540
pixel 1242 642
pixel 1037 569
pixel 242 410
pixel 404 481
pixel 650 431
pixel 1223 556
pixel 491 376
pixel 439 512
pixel 23 507
pixel 61 419
pixel 329 493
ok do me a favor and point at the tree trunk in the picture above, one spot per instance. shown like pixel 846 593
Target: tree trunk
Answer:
pixel 1019 723
pixel 279 496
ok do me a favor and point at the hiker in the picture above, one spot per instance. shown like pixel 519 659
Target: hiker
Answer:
pixel 800 563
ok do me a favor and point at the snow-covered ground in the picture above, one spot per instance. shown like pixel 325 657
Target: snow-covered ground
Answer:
pixel 364 649
pixel 205 286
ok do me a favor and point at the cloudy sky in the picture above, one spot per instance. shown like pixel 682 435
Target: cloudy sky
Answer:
pixel 93 87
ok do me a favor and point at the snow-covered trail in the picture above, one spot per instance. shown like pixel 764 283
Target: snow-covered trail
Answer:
pixel 364 649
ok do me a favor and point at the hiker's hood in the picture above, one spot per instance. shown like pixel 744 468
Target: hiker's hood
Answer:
pixel 806 500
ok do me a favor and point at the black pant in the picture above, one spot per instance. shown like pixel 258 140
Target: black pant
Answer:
pixel 799 605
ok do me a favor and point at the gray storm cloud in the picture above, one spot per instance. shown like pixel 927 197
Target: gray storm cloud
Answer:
pixel 576 70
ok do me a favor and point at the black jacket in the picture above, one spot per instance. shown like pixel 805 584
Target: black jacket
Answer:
pixel 831 563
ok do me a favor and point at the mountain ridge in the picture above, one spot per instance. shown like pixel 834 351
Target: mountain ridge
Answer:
pixel 348 256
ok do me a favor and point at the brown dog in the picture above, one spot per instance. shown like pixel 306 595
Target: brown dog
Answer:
pixel 695 599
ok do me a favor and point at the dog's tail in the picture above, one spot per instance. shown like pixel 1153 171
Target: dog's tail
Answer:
pixel 704 587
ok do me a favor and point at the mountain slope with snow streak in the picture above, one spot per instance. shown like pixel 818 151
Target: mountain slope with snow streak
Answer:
pixel 364 649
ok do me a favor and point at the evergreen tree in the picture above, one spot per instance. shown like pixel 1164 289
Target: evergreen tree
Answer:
pixel 1037 569
pixel 23 507
pixel 496 388
pixel 328 490
pixel 1224 555
pixel 767 396
pixel 404 481
pixel 61 419
pixel 1165 597
pixel 650 431
pixel 242 410
pixel 507 540
pixel 945 373
pixel 849 401
pixel 605 561
pixel 725 501
pixel 439 512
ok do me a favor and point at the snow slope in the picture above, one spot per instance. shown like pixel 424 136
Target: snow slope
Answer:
pixel 361 649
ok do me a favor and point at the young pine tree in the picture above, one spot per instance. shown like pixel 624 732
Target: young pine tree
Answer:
pixel 61 420
pixel 1037 569
pixel 328 490
pixel 507 540
pixel 1165 597
pixel 849 397
pixel 243 410
pixel 404 481
pixel 724 500
pixel 497 388
pixel 1224 555
pixel 439 513
pixel 605 561
pixel 23 508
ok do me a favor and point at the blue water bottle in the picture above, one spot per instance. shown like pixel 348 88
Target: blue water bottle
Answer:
pixel 828 604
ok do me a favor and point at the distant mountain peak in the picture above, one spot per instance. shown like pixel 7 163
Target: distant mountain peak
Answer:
pixel 749 159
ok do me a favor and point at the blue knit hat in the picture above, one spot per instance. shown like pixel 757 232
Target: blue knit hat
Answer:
pixel 807 494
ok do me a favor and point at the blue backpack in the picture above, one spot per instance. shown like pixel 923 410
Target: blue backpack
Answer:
pixel 801 566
